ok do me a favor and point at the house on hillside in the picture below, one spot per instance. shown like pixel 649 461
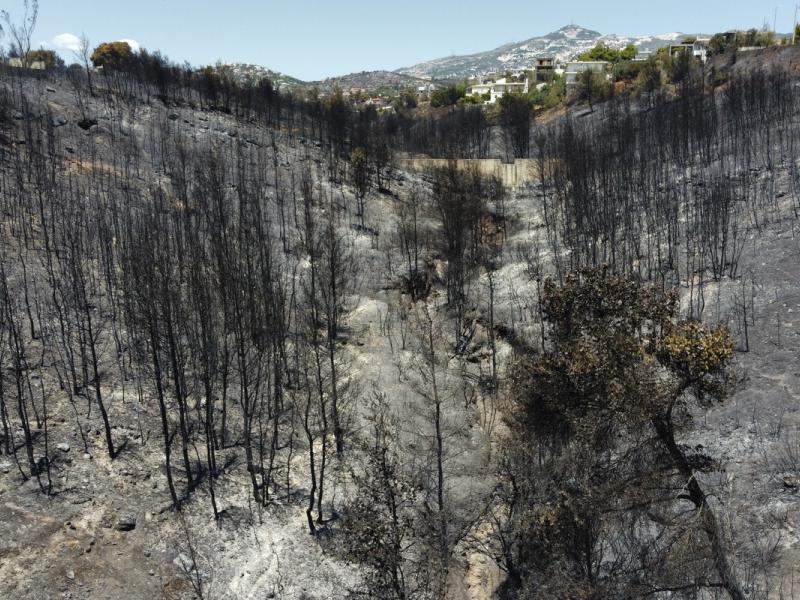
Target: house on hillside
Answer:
pixel 697 48
pixel 575 68
pixel 424 91
pixel 544 69
pixel 381 103
pixel 497 89
pixel 16 63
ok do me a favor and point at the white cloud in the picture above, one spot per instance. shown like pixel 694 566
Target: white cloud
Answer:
pixel 66 41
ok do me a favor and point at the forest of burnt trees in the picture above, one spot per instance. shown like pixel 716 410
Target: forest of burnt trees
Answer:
pixel 155 276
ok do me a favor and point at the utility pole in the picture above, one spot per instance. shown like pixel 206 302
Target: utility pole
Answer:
pixel 794 29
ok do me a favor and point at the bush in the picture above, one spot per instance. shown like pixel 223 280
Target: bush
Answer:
pixel 550 95
pixel 649 78
pixel 627 70
pixel 449 95
pixel 725 42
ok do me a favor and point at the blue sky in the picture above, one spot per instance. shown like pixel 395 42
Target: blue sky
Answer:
pixel 312 39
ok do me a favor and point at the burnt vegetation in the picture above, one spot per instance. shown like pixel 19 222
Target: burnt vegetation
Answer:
pixel 181 256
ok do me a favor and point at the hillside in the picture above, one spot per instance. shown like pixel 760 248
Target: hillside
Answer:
pixel 372 80
pixel 563 44
pixel 246 354
pixel 364 80
pixel 247 72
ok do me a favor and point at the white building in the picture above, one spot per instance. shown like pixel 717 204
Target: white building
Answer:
pixel 34 64
pixel 498 89
pixel 424 90
pixel 698 49
pixel 575 68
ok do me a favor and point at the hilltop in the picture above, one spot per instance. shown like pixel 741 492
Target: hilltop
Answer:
pixel 563 44
pixel 247 72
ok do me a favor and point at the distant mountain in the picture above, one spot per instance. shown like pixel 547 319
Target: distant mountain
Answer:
pixel 563 45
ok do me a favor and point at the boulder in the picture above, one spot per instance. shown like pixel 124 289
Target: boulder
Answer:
pixel 126 522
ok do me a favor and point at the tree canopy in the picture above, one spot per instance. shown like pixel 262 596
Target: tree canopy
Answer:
pixel 449 95
pixel 113 55
pixel 613 55
pixel 724 42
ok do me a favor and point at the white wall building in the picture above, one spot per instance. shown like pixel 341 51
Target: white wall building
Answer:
pixel 34 64
pixel 697 48
pixel 498 89
pixel 575 68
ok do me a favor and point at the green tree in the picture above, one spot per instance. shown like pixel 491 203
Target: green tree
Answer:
pixel 118 56
pixel 448 96
pixel 550 95
pixel 608 54
pixel 719 44
pixel 628 52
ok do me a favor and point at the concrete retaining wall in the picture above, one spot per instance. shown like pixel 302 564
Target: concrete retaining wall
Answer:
pixel 511 175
